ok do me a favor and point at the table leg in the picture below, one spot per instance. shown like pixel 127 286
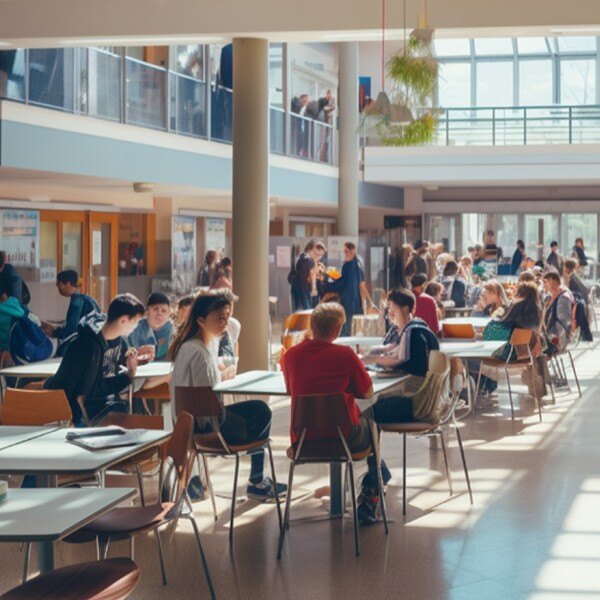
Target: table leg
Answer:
pixel 130 398
pixel 335 482
pixel 45 549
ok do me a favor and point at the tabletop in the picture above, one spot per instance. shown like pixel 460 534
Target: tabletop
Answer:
pixel 357 340
pixel 48 514
pixel 271 383
pixel 475 321
pixel 51 454
pixel 11 435
pixel 48 368
pixel 470 348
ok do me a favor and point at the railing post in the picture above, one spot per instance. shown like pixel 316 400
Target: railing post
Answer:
pixel 167 103
pixel 123 100
pixel 570 124
pixel 493 126
pixel 26 91
pixel 447 127
pixel 525 127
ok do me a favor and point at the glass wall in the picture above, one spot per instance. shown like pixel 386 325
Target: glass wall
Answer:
pixel 580 225
pixel 559 70
pixel 540 231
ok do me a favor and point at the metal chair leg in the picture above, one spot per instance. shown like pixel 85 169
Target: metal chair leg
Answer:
pixel 286 517
pixel 138 473
pixel 211 491
pixel 574 372
pixel 549 382
pixel 234 498
pixel 537 397
pixel 404 474
pixel 564 370
pixel 102 545
pixel 464 462
pixel 132 548
pixel 377 451
pixel 160 479
pixel 26 560
pixel 345 493
pixel 448 472
pixel 202 556
pixel 279 518
pixel 161 557
pixel 354 512
pixel 478 385
pixel 512 406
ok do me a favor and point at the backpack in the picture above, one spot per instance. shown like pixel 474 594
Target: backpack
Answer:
pixel 28 342
pixel 581 319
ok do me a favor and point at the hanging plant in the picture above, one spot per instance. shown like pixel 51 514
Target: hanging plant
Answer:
pixel 421 131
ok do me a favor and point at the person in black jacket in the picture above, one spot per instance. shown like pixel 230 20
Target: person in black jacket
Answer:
pixel 90 372
pixel 303 280
pixel 10 281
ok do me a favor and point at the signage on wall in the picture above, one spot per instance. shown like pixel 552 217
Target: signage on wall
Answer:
pixel 214 233
pixel 20 237
pixel 96 247
pixel 183 253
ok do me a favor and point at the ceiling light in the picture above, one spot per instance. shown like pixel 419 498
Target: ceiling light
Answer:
pixel 5 44
pixel 141 187
pixel 123 41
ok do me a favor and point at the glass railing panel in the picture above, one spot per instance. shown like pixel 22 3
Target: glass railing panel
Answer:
pixel 221 125
pixel 52 78
pixel 100 84
pixel 301 136
pixel 322 142
pixel 187 97
pixel 12 74
pixel 145 104
pixel 276 130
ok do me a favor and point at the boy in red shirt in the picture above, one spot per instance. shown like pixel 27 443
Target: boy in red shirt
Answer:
pixel 426 307
pixel 318 366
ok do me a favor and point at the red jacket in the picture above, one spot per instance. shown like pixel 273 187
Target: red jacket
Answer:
pixel 426 309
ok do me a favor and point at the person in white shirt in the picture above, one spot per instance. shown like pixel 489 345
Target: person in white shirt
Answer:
pixel 195 364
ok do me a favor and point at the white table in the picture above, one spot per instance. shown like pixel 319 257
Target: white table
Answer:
pixel 270 383
pixel 357 341
pixel 470 349
pixel 11 435
pixel 477 322
pixel 47 515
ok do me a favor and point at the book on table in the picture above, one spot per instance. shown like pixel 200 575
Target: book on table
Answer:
pixel 111 439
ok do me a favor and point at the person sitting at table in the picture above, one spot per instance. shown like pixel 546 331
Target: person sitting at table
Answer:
pixel 558 305
pixel 436 290
pixel 10 309
pixel 334 369
pixel 425 308
pixel 518 257
pixel 182 310
pixel 194 357
pixel 579 252
pixel 555 259
pixel 573 281
pixel 90 372
pixel 348 286
pixel 455 287
pixel 492 301
pixel 80 305
pixel 156 328
pixel 410 354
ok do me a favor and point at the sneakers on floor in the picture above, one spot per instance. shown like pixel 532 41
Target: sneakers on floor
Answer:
pixel 368 507
pixel 265 490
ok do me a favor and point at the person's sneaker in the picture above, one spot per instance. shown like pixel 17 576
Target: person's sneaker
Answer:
pixel 196 491
pixel 368 507
pixel 265 490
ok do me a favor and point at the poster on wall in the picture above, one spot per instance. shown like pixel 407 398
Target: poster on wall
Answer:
pixel 97 247
pixel 183 253
pixel 215 234
pixel 20 237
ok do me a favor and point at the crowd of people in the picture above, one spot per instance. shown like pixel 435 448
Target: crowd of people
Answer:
pixel 320 110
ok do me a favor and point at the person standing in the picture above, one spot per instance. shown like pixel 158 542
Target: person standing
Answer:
pixel 348 286
pixel 303 278
pixel 518 257
pixel 579 251
pixel 206 275
pixel 11 282
pixel 554 258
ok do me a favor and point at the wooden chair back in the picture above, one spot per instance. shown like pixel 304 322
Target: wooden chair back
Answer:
pixel 458 330
pixel 160 392
pixel 180 450
pixel 298 321
pixel 134 421
pixel 521 337
pixel 200 402
pixel 320 421
pixel 34 407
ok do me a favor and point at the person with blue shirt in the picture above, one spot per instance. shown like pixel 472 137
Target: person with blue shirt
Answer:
pixel 156 328
pixel 348 286
pixel 80 306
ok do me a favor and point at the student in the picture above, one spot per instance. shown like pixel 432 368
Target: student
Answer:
pixel 195 364
pixel 10 309
pixel 518 257
pixel 554 258
pixel 573 281
pixel 11 282
pixel 426 307
pixel 90 371
pixel 333 369
pixel 348 286
pixel 156 328
pixel 80 305
pixel 579 252
pixel 224 275
pixel 206 275
pixel 184 306
pixel 492 299
pixel 557 312
pixel 303 277
pixel 455 287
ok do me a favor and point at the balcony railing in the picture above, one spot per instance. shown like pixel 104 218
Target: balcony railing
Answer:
pixel 519 126
pixel 105 85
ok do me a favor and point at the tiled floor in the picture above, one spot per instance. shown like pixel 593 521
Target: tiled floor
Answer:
pixel 534 531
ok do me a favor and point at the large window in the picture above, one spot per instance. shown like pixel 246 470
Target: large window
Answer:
pixel 455 85
pixel 540 230
pixel 495 83
pixel 578 81
pixel 580 225
pixel 535 82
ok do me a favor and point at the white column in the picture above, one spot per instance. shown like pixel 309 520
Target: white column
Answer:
pixel 348 139
pixel 251 198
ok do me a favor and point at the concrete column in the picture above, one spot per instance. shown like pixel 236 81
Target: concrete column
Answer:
pixel 163 209
pixel 348 139
pixel 251 198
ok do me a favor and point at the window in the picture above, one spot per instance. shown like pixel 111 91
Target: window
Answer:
pixel 580 225
pixel 576 44
pixel 578 81
pixel 532 46
pixel 495 83
pixel 547 226
pixel 452 47
pixel 473 226
pixel 493 46
pixel 535 82
pixel 189 60
pixel 454 87
pixel 276 75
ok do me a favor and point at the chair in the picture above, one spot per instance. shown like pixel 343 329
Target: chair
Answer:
pixel 203 403
pixel 127 522
pixel 323 419
pixel 34 407
pixel 438 379
pixel 158 395
pixel 143 462
pixel 113 579
pixel 458 330
pixel 520 342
